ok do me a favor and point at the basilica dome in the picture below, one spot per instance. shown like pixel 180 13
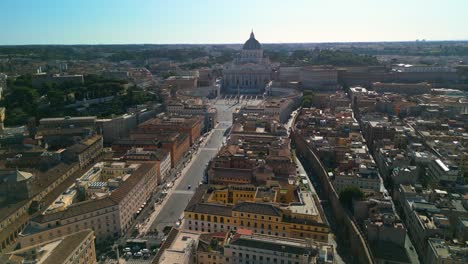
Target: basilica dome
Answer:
pixel 252 43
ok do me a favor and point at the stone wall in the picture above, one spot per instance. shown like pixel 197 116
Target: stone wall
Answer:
pixel 348 231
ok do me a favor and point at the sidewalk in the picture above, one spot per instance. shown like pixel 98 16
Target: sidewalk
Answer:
pixel 158 207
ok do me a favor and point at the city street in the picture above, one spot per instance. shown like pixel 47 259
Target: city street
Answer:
pixel 178 198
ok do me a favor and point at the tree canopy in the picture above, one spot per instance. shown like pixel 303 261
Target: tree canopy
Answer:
pixel 350 193
pixel 307 98
pixel 22 101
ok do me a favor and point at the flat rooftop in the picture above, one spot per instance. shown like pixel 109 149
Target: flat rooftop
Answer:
pixel 176 252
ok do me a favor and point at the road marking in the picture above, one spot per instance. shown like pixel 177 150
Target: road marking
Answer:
pixel 183 192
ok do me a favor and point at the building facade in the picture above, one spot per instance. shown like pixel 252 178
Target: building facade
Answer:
pixel 108 216
pixel 250 72
pixel 298 220
pixel 264 249
pixel 74 248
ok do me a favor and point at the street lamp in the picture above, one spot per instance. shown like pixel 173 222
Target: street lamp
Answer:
pixel 116 248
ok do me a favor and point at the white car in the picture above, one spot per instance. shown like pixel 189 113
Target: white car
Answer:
pixel 138 254
pixel 127 249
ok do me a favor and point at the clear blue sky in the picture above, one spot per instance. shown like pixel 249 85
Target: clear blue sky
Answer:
pixel 226 21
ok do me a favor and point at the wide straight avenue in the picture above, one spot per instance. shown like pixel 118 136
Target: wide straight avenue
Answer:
pixel 184 188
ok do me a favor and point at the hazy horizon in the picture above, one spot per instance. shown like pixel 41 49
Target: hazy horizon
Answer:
pixel 239 43
pixel 158 22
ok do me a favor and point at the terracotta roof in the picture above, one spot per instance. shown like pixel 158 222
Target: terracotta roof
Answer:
pixel 244 231
pixel 85 144
pixel 232 173
pixel 119 194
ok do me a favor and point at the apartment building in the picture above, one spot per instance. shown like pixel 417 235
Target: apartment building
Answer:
pixel 14 215
pixel 62 132
pixel 441 251
pixel 366 181
pixel 279 109
pixel 192 125
pixel 424 220
pixel 300 219
pixel 247 247
pixel 252 161
pixel 109 206
pixel 319 78
pixel 195 108
pixel 404 88
pixel 84 152
pixel 181 82
pixel 438 171
pixel 161 157
pixel 73 248
pixel 178 144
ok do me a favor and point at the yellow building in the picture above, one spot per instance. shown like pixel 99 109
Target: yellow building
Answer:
pixel 208 211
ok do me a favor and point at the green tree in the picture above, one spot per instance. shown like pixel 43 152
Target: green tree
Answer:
pixel 306 103
pixel 307 99
pixel 348 194
pixel 56 97
pixel 23 97
pixel 15 116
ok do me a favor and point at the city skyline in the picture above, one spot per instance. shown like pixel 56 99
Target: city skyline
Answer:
pixel 211 22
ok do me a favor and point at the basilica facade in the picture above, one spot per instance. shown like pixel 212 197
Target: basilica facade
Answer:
pixel 250 72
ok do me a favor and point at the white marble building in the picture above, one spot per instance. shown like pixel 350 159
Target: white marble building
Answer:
pixel 250 72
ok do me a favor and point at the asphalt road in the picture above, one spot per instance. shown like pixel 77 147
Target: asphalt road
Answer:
pixel 178 199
